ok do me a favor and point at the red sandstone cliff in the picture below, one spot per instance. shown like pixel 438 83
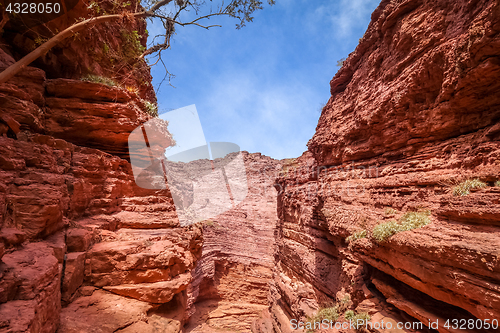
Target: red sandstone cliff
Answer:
pixel 74 220
pixel 82 247
pixel 414 111
pixel 231 281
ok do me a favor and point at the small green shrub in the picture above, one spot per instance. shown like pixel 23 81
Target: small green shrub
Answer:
pixel 385 230
pixel 131 44
pixel 390 211
pixel 464 187
pixel 99 79
pixel 349 314
pixel 330 314
pixel 414 220
pixel 409 221
pixel 497 183
pixel 362 317
pixel 151 108
pixel 355 236
pixel 344 303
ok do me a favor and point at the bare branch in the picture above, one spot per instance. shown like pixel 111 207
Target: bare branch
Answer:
pixel 240 9
pixel 4 21
pixel 158 5
pixel 45 47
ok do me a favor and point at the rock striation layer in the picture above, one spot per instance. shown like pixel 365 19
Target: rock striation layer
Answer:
pixel 230 283
pixel 414 113
pixel 82 247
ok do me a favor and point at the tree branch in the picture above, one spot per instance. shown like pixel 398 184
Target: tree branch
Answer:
pixel 45 47
pixel 240 9
pixel 157 6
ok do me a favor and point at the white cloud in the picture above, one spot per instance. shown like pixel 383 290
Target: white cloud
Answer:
pixel 342 17
pixel 261 116
pixel 261 87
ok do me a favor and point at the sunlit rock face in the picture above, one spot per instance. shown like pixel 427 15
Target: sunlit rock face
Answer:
pixel 82 247
pixel 231 281
pixel 413 113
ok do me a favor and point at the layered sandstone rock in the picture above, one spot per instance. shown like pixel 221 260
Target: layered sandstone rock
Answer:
pixel 230 286
pixel 86 114
pixel 73 219
pixel 413 113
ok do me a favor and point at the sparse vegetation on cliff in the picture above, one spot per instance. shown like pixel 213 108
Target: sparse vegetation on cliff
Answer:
pixel 466 186
pixel 330 314
pixel 385 230
pixel 497 183
pixel 289 164
pixel 133 90
pixel 355 236
pixel 131 45
pixel 390 211
pixel 409 221
pixel 99 79
pixel 362 317
pixel 151 108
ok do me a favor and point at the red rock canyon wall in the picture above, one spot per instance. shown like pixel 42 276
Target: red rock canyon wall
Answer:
pixel 414 111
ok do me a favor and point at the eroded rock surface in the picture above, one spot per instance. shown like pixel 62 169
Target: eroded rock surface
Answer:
pixel 230 286
pixel 82 247
pixel 413 113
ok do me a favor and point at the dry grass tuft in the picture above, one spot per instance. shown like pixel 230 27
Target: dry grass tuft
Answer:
pixel 355 236
pixel 466 186
pixel 99 79
pixel 409 221
pixel 330 314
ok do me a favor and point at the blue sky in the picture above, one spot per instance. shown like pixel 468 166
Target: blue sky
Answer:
pixel 262 87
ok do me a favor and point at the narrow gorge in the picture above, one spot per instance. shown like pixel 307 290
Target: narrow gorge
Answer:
pixel 392 214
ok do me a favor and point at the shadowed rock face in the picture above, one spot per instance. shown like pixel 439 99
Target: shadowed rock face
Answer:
pixel 105 50
pixel 82 247
pixel 414 111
